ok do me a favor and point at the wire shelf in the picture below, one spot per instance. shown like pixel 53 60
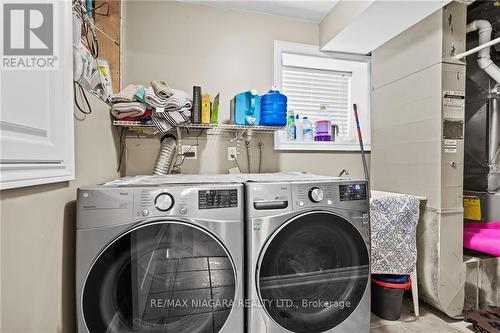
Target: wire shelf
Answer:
pixel 220 127
pixel 232 127
pixel 129 123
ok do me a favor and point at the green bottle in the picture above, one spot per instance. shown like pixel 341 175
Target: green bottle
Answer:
pixel 290 125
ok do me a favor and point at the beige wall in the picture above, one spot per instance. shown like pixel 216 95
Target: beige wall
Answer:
pixel 37 230
pixel 224 51
pixel 339 18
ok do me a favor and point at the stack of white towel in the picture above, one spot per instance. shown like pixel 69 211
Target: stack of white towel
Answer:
pixel 171 107
pixel 178 101
pixel 128 109
pixel 125 104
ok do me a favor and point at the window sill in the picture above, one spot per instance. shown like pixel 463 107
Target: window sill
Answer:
pixel 318 146
pixel 281 143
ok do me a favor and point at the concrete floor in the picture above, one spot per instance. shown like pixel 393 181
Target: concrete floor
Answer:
pixel 430 320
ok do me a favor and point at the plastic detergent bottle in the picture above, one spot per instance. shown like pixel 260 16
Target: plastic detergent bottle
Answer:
pixel 290 125
pixel 299 132
pixel 307 129
pixel 273 108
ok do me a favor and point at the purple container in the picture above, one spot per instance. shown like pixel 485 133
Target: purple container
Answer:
pixel 323 130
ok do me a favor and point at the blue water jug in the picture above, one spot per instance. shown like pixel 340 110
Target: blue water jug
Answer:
pixel 245 108
pixel 273 108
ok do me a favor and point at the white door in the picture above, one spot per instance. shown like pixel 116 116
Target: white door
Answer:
pixel 36 106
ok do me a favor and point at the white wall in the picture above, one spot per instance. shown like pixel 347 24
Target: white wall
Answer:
pixel 224 51
pixel 37 231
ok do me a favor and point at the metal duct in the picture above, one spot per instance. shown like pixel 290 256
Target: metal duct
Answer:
pixel 165 155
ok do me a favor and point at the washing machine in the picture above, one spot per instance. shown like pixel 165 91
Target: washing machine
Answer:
pixel 307 255
pixel 160 254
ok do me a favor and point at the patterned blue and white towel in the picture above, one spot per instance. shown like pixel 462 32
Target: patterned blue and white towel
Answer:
pixel 393 218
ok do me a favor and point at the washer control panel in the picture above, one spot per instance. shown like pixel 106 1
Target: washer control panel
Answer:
pixel 316 194
pixel 164 201
pixel 208 199
pixel 309 194
pixel 351 192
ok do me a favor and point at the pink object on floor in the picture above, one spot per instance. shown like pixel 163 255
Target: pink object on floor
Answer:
pixel 483 237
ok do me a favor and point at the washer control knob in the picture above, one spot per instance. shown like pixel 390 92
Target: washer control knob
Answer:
pixel 145 212
pixel 316 194
pixel 183 210
pixel 164 201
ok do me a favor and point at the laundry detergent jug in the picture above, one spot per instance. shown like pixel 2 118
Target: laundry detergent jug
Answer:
pixel 246 108
pixel 273 108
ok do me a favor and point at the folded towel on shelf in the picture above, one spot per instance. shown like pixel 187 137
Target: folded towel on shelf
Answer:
pixel 154 100
pixel 140 94
pixel 166 120
pixel 128 109
pixel 143 117
pixel 161 89
pixel 127 94
pixel 179 101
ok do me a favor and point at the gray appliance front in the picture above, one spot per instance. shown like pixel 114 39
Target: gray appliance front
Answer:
pixel 176 269
pixel 308 262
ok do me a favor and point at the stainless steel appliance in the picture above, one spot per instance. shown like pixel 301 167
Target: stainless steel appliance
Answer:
pixel 160 254
pixel 307 258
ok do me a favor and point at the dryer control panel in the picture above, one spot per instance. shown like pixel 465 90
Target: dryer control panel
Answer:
pixel 350 192
pixel 342 194
pixel 315 193
pixel 208 199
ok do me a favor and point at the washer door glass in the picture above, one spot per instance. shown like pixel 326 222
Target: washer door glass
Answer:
pixel 313 272
pixel 164 276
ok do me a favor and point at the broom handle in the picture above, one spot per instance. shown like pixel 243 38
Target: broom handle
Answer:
pixel 360 139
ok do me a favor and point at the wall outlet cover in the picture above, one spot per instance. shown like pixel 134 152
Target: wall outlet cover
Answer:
pixel 189 152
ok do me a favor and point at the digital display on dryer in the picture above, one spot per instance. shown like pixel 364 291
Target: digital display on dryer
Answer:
pixel 352 192
pixel 208 199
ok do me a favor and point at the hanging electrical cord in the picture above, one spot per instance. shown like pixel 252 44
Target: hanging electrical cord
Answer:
pixel 261 152
pixel 86 109
pixel 121 147
pixel 176 167
pixel 235 161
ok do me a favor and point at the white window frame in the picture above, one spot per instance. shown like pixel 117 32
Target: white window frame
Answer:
pixel 360 71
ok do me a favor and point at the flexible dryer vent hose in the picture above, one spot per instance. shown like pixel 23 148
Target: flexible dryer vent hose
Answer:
pixel 165 155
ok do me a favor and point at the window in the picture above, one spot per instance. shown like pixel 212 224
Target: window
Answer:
pixel 323 86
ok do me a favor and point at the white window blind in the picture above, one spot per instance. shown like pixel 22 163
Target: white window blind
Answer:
pixel 323 86
pixel 319 94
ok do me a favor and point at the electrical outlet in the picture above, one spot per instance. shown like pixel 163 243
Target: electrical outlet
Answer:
pixel 231 151
pixel 189 152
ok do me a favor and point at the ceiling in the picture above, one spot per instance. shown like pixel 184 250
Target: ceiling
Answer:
pixel 313 11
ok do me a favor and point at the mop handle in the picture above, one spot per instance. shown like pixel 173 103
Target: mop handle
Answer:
pixel 360 139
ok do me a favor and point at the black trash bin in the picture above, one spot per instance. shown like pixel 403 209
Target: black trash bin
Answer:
pixel 387 295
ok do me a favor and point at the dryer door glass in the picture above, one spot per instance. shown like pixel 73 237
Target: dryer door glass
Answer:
pixel 313 272
pixel 165 276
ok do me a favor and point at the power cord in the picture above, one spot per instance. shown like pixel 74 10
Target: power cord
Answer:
pixel 77 85
pixel 235 161
pixel 122 147
pixel 176 166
